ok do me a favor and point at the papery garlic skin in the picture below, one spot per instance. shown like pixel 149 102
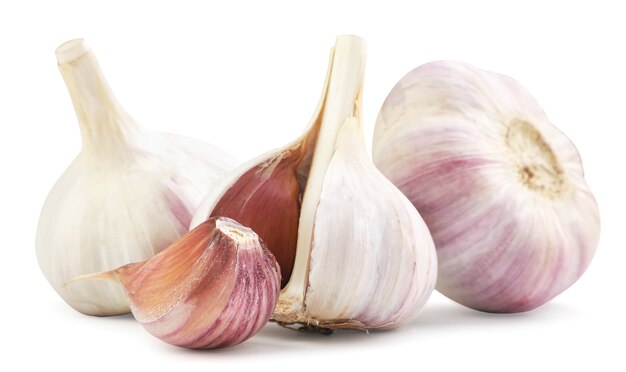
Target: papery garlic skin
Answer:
pixel 128 194
pixel 215 287
pixel 368 237
pixel 501 189
pixel 296 198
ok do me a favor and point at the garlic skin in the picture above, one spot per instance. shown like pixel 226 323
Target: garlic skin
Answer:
pixel 128 194
pixel 214 287
pixel 385 259
pixel 353 251
pixel 501 189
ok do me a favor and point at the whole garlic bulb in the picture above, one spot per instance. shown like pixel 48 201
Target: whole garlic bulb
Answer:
pixel 214 287
pixel 501 190
pixel 128 194
pixel 353 251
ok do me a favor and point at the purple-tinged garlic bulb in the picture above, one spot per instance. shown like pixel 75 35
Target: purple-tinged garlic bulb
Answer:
pixel 129 193
pixel 353 251
pixel 501 189
pixel 214 287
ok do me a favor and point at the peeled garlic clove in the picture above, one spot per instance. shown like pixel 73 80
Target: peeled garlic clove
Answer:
pixel 353 251
pixel 128 194
pixel 214 287
pixel 500 188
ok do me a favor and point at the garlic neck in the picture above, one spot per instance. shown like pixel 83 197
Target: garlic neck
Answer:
pixel 105 126
pixel 342 96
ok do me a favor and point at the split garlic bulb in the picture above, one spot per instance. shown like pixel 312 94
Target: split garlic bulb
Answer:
pixel 127 195
pixel 500 188
pixel 214 287
pixel 353 251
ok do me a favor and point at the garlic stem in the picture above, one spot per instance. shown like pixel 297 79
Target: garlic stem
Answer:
pixel 105 126
pixel 343 94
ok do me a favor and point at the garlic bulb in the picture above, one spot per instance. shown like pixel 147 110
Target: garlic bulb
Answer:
pixel 128 194
pixel 501 190
pixel 353 251
pixel 214 287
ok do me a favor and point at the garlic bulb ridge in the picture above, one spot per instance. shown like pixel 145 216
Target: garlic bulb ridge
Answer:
pixel 128 194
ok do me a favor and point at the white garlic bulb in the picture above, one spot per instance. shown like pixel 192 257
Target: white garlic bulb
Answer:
pixel 353 251
pixel 501 189
pixel 128 194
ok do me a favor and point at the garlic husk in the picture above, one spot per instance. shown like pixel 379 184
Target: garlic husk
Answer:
pixel 289 197
pixel 214 287
pixel 501 189
pixel 128 194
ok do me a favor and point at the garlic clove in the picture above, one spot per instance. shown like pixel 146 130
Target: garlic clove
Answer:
pixel 214 287
pixel 266 197
pixel 128 194
pixel 501 189
pixel 279 195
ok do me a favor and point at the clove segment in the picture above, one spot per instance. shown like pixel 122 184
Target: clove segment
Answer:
pixel 267 197
pixel 215 287
pixel 354 252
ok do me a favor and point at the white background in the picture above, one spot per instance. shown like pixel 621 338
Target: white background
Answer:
pixel 247 76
